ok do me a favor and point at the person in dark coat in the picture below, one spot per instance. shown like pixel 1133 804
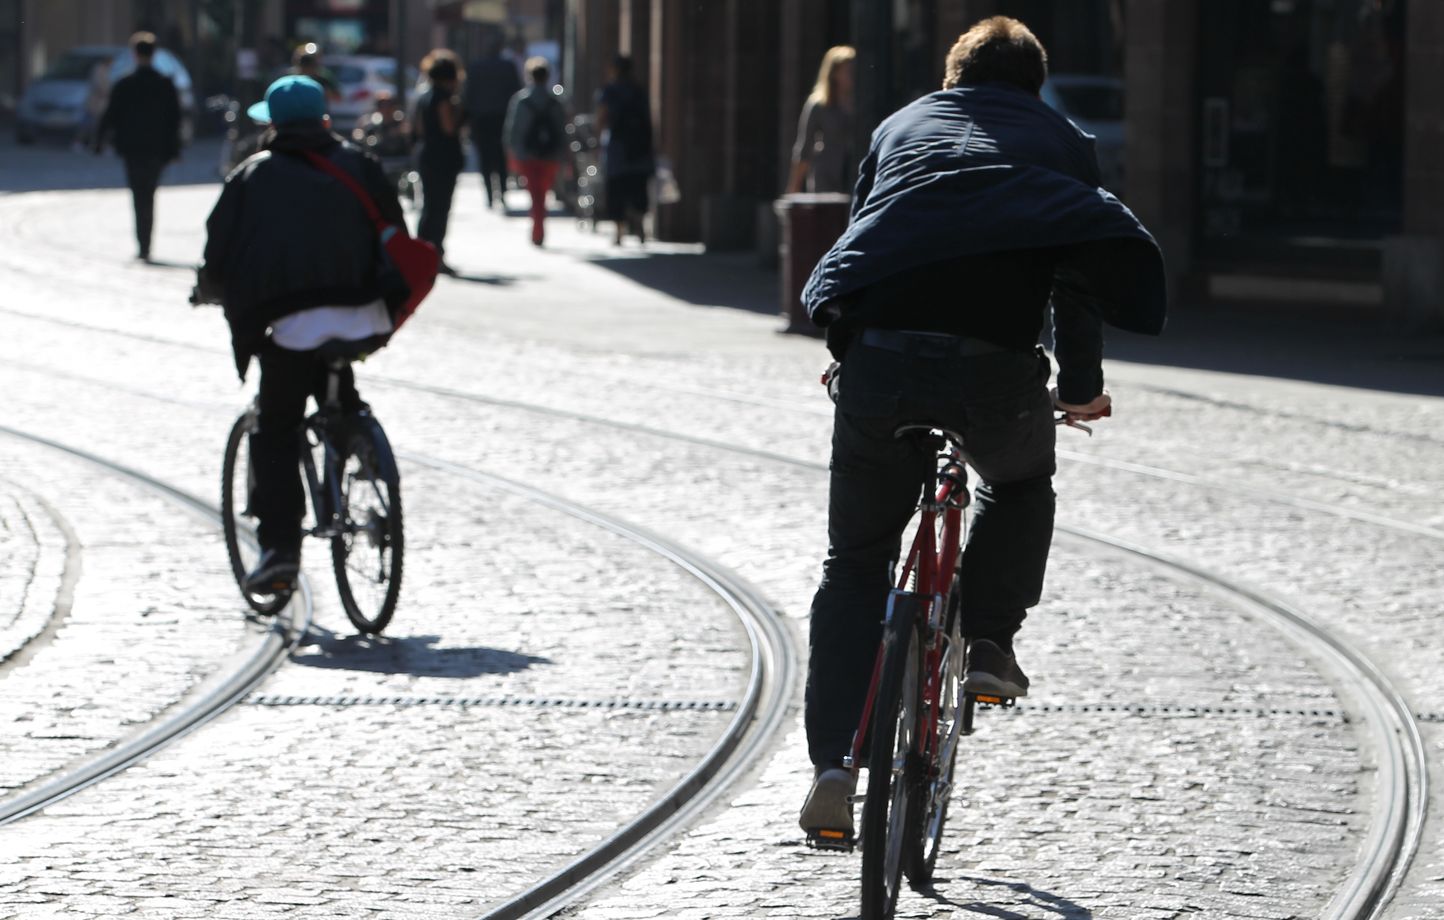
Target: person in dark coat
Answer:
pixel 296 262
pixel 624 119
pixel 975 206
pixel 144 118
pixel 491 81
pixel 440 158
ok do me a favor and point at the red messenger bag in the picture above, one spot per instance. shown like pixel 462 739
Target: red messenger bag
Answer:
pixel 415 261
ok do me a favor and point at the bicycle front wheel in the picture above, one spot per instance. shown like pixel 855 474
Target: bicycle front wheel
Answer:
pixel 366 552
pixel 237 521
pixel 893 765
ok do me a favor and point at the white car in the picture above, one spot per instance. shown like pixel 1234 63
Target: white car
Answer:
pixel 359 77
pixel 55 104
pixel 1095 104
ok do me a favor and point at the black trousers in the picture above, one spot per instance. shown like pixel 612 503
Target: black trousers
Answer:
pixel 999 403
pixel 490 157
pixel 438 185
pixel 142 174
pixel 278 498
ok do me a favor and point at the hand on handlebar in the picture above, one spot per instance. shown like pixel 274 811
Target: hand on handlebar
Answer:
pixel 1100 407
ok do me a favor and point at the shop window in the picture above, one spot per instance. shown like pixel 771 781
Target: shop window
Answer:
pixel 1301 118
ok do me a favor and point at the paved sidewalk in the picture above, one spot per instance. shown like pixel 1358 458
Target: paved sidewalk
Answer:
pixel 34 547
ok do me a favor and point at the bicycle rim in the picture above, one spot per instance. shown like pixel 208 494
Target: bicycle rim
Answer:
pixel 887 822
pixel 237 523
pixel 367 553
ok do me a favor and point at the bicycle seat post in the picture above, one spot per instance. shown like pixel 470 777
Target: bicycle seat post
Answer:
pixel 333 383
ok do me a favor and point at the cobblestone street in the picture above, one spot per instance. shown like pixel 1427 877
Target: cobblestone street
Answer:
pixel 545 680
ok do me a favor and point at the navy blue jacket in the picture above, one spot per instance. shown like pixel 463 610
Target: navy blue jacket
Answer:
pixel 992 168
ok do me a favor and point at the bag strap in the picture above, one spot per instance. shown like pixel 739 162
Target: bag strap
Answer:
pixel 350 182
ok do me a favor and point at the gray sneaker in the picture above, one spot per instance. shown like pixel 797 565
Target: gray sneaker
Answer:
pixel 993 672
pixel 827 813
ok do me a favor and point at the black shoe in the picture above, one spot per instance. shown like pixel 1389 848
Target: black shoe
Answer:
pixel 993 672
pixel 827 813
pixel 275 573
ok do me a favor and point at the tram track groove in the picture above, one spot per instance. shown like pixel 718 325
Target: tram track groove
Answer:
pixel 213 697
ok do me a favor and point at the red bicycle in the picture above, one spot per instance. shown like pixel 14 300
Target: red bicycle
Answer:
pixel 917 711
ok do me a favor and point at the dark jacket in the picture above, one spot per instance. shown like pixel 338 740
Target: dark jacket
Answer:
pixel 285 236
pixel 144 115
pixel 490 84
pixel 992 168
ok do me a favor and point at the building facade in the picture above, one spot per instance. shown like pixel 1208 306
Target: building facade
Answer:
pixel 1290 150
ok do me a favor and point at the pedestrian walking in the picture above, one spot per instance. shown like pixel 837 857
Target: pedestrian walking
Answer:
pixel 823 157
pixel 624 120
pixel 491 81
pixel 974 205
pixel 535 135
pixel 296 262
pixel 440 158
pixel 144 118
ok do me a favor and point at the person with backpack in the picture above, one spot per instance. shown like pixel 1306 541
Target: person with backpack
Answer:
pixel 536 140
pixel 624 120
pixel 293 255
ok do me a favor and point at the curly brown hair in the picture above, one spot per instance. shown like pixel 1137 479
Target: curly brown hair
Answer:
pixel 998 49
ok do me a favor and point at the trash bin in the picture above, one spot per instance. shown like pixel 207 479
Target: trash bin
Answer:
pixel 811 223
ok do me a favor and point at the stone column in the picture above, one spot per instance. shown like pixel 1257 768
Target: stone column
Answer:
pixel 1414 260
pixel 1161 40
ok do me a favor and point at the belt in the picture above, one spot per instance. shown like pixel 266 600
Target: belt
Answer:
pixel 929 344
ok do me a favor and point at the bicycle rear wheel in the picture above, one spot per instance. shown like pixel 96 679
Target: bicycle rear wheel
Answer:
pixel 893 764
pixel 237 521
pixel 936 786
pixel 367 552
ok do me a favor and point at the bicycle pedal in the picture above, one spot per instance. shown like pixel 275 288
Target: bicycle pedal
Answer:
pixel 987 699
pixel 827 839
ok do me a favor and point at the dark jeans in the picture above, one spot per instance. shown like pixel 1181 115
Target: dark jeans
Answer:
pixel 277 497
pixel 438 185
pixel 490 157
pixel 142 174
pixel 999 403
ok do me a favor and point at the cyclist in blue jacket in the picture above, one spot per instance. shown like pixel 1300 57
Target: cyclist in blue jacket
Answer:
pixel 975 207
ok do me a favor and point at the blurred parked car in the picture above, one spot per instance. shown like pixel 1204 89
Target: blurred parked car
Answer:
pixel 1095 104
pixel 360 78
pixel 55 104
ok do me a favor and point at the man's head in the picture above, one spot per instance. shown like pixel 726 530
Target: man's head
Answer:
pixel 293 101
pixel 142 45
pixel 306 59
pixel 539 70
pixel 997 50
pixel 622 67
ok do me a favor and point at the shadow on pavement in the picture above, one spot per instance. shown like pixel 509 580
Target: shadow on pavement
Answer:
pixel 44 167
pixel 1042 903
pixel 415 655
pixel 167 263
pixel 730 279
pixel 1339 349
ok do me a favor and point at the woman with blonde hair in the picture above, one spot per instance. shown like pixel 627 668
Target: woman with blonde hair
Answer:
pixel 822 158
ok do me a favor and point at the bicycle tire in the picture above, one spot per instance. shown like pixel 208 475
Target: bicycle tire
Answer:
pixel 368 460
pixel 936 786
pixel 235 471
pixel 887 819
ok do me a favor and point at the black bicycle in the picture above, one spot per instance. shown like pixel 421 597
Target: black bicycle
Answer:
pixel 355 492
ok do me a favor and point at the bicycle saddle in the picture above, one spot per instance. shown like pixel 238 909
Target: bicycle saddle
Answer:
pixel 925 431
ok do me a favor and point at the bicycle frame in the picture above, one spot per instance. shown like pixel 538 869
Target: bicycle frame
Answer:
pixel 929 570
pixel 324 487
